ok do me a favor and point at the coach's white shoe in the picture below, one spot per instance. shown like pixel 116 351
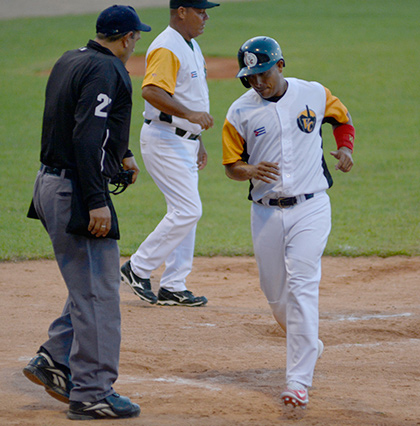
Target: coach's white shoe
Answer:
pixel 320 348
pixel 295 395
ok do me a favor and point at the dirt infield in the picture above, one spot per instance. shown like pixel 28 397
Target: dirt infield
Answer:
pixel 223 364
pixel 217 68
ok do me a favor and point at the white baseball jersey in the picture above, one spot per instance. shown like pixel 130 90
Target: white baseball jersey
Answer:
pixel 288 242
pixel 287 132
pixel 178 68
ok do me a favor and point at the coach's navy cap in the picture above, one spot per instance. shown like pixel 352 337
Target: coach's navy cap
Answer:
pixel 119 20
pixel 198 4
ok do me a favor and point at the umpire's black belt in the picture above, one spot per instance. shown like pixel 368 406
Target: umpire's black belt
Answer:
pixel 287 202
pixel 66 173
pixel 178 131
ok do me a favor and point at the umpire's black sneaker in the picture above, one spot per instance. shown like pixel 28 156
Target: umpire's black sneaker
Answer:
pixel 42 370
pixel 181 298
pixel 140 286
pixel 111 407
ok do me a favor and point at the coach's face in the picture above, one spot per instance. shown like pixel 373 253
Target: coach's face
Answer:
pixel 195 21
pixel 269 83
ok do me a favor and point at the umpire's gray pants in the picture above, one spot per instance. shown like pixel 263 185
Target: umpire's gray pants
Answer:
pixel 87 335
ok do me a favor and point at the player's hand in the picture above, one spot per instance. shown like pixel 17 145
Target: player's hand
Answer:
pixel 100 221
pixel 130 163
pixel 204 119
pixel 345 159
pixel 266 171
pixel 202 156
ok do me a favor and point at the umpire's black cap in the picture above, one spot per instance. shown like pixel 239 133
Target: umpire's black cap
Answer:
pixel 198 4
pixel 119 19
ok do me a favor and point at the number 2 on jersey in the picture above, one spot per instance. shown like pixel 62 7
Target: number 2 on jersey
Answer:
pixel 104 100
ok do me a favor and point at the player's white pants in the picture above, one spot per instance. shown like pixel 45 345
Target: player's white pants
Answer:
pixel 288 245
pixel 172 163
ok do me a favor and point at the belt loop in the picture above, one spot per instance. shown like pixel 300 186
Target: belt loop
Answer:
pixel 179 132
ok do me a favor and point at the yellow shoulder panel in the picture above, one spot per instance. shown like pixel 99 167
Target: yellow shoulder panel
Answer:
pixel 233 144
pixel 334 108
pixel 162 69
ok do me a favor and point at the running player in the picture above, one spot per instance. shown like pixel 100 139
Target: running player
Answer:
pixel 272 137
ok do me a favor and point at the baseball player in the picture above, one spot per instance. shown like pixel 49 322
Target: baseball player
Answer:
pixel 176 112
pixel 272 137
pixel 84 141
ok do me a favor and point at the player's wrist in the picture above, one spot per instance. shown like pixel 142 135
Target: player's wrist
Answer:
pixel 344 136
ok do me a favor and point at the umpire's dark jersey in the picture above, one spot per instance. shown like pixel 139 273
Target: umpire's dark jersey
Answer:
pixel 87 117
pixel 85 130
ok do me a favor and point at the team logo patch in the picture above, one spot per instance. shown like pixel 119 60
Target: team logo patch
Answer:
pixel 250 59
pixel 306 120
pixel 194 74
pixel 260 131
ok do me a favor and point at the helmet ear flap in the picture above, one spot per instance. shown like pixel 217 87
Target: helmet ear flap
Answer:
pixel 245 82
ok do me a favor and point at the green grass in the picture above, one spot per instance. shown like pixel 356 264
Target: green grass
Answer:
pixel 365 52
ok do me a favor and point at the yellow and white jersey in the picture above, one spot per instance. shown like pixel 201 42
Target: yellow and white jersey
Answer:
pixel 287 132
pixel 178 68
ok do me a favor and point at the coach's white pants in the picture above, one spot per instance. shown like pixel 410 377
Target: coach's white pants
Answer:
pixel 288 245
pixel 172 163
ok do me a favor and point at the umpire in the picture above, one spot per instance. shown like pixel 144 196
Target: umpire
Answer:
pixel 84 142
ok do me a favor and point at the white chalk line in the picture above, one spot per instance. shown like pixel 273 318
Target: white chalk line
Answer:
pixel 172 380
pixel 335 319
pixel 366 317
pixel 198 325
pixel 406 342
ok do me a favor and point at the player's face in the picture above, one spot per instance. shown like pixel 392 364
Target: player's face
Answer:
pixel 195 20
pixel 269 83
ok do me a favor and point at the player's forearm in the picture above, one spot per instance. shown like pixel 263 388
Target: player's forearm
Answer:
pixel 164 102
pixel 344 134
pixel 239 171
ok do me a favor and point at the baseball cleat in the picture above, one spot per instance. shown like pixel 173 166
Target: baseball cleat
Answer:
pixel 43 371
pixel 320 348
pixel 296 398
pixel 179 298
pixel 295 395
pixel 140 286
pixel 112 407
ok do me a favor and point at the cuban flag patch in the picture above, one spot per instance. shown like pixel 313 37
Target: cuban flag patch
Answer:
pixel 260 131
pixel 194 74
